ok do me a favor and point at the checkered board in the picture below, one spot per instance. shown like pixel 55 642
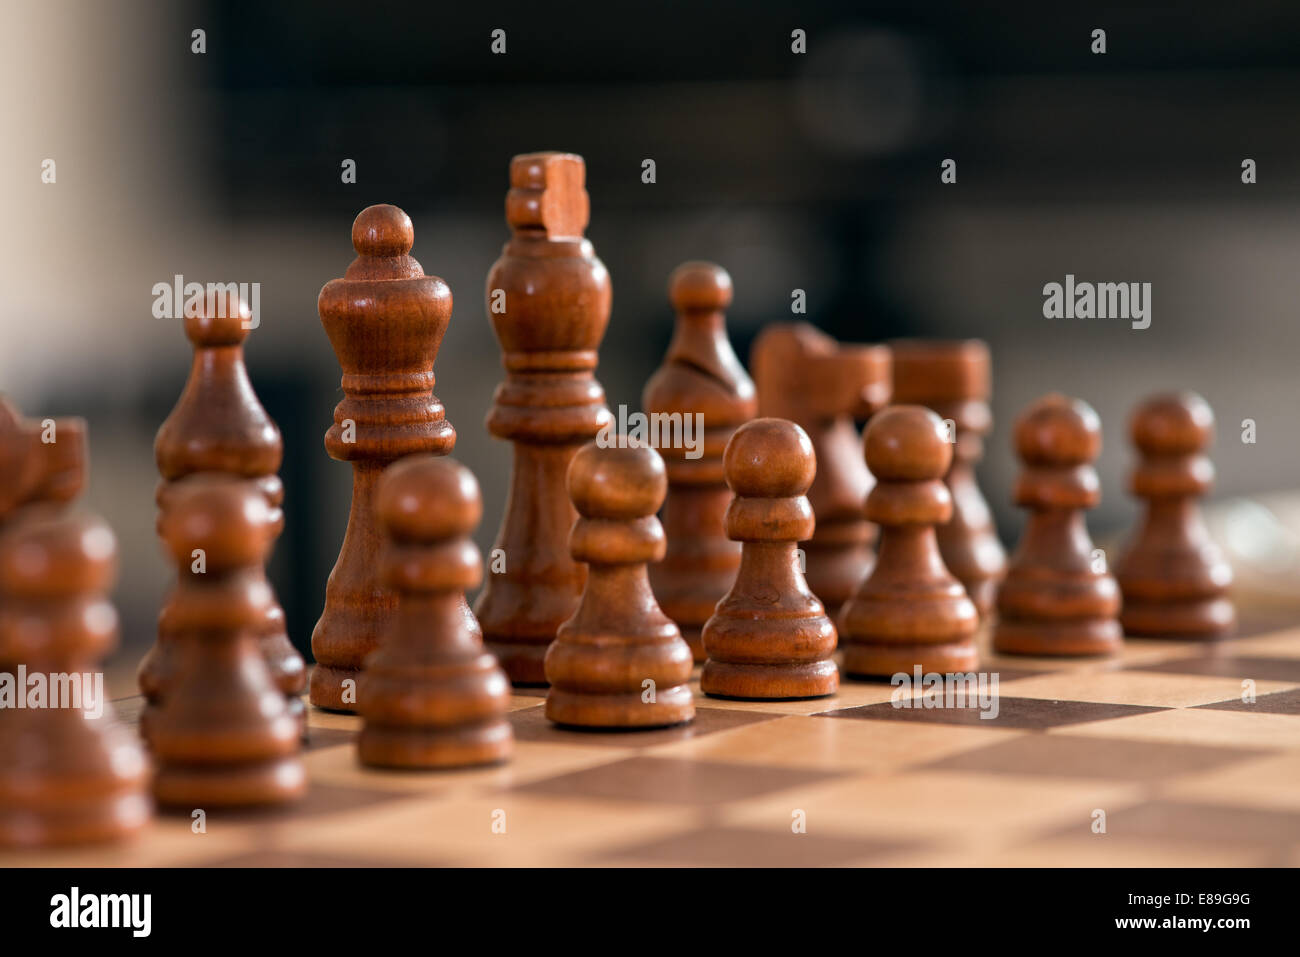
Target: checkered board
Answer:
pixel 1159 740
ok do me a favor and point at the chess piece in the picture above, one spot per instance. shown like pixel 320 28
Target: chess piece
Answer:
pixel 385 319
pixel 822 385
pixel 430 695
pixel 69 773
pixel 769 637
pixel 1174 580
pixel 218 425
pixel 619 662
pixel 41 461
pixel 224 735
pixel 1057 597
pixel 910 611
pixel 549 300
pixel 700 376
pixel 952 380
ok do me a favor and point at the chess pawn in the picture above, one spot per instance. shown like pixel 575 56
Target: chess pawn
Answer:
pixel 69 773
pixel 910 612
pixel 700 376
pixel 952 380
pixel 218 425
pixel 822 385
pixel 385 319
pixel 619 661
pixel 41 461
pixel 1174 580
pixel 223 734
pixel 430 695
pixel 769 637
pixel 549 301
pixel 1057 597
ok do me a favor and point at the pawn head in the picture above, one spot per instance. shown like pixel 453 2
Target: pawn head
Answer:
pixel 218 319
pixel 1175 423
pixel 618 483
pixel 1058 431
pixel 226 516
pixel 769 458
pixel 428 499
pixel 699 287
pixel 382 231
pixel 907 443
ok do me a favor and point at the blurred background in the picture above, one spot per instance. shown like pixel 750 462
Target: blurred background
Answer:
pixel 817 171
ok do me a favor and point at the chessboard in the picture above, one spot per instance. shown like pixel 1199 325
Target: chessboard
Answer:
pixel 1156 758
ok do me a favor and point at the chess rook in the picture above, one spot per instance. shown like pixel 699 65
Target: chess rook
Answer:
pixel 218 425
pixel 700 375
pixel 224 735
pixel 910 611
pixel 42 461
pixel 619 662
pixel 66 775
pixel 385 319
pixel 548 298
pixel 953 380
pixel 822 385
pixel 1174 580
pixel 1057 598
pixel 430 695
pixel 769 637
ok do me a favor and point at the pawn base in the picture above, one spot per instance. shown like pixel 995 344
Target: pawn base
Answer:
pixel 524 662
pixel 280 781
pixel 812 679
pixel 1058 638
pixel 111 818
pixel 1204 619
pixel 693 636
pixel 626 710
pixel 884 660
pixel 328 691
pixel 486 742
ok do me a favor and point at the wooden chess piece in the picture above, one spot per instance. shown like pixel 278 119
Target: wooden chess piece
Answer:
pixel 41 461
pixel 224 735
pixel 1174 579
pixel 385 319
pixel 549 300
pixel 218 425
pixel 910 611
pixel 953 380
pixel 700 376
pixel 1057 597
pixel 769 637
pixel 69 773
pixel 822 385
pixel 430 695
pixel 619 661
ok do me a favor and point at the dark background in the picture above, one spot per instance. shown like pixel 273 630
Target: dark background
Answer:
pixel 816 171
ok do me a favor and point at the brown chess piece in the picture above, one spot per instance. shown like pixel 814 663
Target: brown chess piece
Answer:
pixel 430 695
pixel 41 461
pixel 700 376
pixel 1174 580
pixel 223 735
pixel 218 425
pixel 619 662
pixel 1057 597
pixel 769 637
pixel 822 385
pixel 385 319
pixel 953 380
pixel 910 611
pixel 69 773
pixel 549 300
